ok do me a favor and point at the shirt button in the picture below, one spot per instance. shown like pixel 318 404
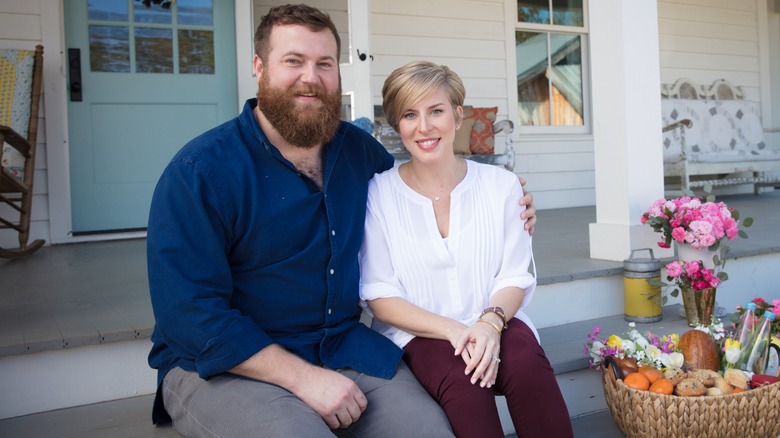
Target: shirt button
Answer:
pixel 332 272
pixel 330 311
pixel 333 233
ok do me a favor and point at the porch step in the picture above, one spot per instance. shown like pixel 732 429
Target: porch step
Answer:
pixel 130 416
pixel 126 418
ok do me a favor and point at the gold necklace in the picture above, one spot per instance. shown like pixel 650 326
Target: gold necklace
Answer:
pixel 446 187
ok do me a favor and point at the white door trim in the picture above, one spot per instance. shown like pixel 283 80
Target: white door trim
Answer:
pixel 245 35
pixel 56 120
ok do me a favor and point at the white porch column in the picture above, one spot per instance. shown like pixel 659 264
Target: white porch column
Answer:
pixel 626 124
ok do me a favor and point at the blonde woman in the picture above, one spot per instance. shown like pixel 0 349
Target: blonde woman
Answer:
pixel 445 268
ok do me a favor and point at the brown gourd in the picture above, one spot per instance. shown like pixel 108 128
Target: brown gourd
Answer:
pixel 699 350
pixel 624 366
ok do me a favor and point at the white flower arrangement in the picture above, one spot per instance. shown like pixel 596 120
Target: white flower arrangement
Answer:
pixel 648 349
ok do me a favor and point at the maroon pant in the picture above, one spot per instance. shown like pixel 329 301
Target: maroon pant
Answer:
pixel 525 377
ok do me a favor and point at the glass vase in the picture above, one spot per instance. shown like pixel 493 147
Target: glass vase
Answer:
pixel 699 305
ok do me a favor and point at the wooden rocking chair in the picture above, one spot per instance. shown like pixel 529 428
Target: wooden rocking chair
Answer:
pixel 21 74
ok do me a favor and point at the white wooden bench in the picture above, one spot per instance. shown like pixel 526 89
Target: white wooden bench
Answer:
pixel 711 136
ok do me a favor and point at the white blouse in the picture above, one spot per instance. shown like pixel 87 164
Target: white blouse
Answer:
pixel 403 255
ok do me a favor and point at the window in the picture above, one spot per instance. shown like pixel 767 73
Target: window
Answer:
pixel 550 47
pixel 141 35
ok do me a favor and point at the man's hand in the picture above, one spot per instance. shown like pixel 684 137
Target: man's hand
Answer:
pixel 336 398
pixel 530 211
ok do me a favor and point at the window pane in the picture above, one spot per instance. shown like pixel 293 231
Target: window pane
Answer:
pixel 549 79
pixel 109 48
pixel 153 50
pixel 533 11
pixel 107 10
pixel 532 88
pixel 199 12
pixel 566 79
pixel 152 11
pixel 568 13
pixel 196 51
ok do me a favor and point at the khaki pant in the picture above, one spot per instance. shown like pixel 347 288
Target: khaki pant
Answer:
pixel 229 406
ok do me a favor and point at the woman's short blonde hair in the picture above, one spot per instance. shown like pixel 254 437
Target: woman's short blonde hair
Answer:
pixel 415 81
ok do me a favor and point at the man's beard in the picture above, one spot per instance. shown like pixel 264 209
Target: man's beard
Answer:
pixel 304 126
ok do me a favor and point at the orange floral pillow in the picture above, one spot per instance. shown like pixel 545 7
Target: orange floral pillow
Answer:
pixel 482 139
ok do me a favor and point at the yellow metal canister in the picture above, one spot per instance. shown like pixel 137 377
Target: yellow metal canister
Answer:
pixel 642 302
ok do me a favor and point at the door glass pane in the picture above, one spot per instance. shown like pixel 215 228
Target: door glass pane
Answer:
pixel 533 11
pixel 109 49
pixel 549 79
pixel 107 10
pixel 196 51
pixel 199 12
pixel 152 11
pixel 153 50
pixel 568 13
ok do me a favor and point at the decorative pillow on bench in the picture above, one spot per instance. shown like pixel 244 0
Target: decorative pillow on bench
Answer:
pixel 463 137
pixel 482 138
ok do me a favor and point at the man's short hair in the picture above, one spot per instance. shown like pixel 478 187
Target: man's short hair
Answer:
pixel 302 15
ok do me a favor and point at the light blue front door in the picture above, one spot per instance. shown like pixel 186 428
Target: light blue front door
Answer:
pixel 153 75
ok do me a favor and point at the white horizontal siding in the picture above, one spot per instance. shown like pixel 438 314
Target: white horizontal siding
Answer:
pixel 707 40
pixel 478 10
pixel 559 169
pixel 20 28
pixel 467 36
pixel 442 47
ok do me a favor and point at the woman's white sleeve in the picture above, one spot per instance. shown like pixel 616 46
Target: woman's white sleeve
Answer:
pixel 377 277
pixel 517 252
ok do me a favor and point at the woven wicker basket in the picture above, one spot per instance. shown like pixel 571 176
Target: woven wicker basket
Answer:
pixel 754 413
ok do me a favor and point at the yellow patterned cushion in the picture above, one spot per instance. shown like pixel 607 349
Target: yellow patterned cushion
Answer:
pixel 16 70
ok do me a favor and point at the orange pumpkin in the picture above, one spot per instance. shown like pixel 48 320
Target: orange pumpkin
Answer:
pixel 699 350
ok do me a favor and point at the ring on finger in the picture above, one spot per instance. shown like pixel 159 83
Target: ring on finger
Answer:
pixel 496 359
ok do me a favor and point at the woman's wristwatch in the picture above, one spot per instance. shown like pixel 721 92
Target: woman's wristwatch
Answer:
pixel 498 311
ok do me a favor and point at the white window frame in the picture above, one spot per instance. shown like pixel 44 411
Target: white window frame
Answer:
pixel 512 25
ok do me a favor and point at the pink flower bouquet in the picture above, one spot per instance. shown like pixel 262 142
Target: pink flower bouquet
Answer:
pixel 691 274
pixel 689 220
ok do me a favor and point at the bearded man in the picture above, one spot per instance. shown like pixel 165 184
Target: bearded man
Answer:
pixel 252 244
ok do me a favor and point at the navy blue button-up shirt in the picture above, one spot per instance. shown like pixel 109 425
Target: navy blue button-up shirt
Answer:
pixel 245 251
